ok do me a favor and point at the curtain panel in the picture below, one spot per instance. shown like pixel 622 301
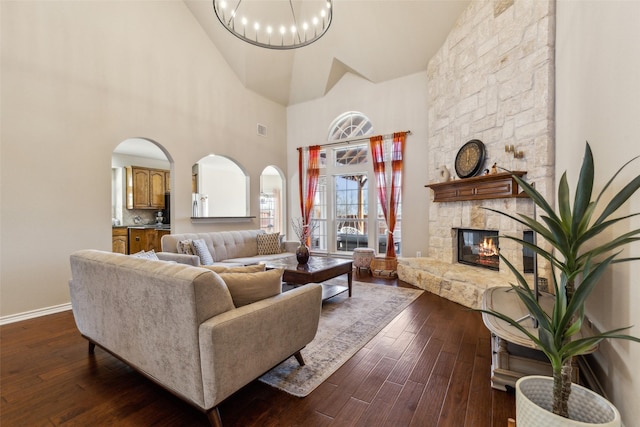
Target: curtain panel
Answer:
pixel 391 202
pixel 308 175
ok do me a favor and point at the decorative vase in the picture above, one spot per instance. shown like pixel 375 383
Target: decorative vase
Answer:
pixel 534 400
pixel 302 253
pixel 445 175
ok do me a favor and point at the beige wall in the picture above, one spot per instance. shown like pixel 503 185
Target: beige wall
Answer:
pixel 80 77
pixel 598 83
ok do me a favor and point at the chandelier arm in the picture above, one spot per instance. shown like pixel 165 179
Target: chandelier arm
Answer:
pixel 295 22
pixel 232 15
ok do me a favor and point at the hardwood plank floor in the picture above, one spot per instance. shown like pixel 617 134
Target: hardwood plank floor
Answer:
pixel 429 367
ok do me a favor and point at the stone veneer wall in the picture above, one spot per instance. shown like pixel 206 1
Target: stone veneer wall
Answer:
pixel 493 80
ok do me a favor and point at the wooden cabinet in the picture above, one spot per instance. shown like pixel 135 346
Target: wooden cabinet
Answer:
pixel 145 239
pixel 119 240
pixel 146 187
pixel 496 186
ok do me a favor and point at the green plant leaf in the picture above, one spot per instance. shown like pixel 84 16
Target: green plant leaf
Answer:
pixel 584 189
pixel 537 198
pixel 585 345
pixel 589 280
pixel 621 197
pixel 564 205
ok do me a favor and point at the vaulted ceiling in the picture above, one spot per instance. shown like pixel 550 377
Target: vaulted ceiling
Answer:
pixel 377 40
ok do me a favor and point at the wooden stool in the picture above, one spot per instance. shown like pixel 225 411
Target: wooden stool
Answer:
pixel 362 258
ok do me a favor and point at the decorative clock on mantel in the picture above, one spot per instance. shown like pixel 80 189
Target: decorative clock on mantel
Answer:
pixel 470 159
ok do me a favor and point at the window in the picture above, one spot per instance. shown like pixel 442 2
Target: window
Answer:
pixel 344 197
pixel 350 125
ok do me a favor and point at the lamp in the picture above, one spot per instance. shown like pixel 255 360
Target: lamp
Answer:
pixel 275 24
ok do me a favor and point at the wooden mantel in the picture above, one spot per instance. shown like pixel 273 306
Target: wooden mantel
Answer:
pixel 495 186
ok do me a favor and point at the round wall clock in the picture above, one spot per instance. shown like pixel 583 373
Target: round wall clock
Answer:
pixel 470 159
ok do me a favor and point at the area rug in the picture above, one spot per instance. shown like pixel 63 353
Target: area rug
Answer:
pixel 346 325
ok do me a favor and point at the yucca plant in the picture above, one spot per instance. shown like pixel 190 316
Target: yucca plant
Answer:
pixel 578 260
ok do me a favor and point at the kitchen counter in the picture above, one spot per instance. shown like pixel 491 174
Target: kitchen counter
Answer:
pixel 145 226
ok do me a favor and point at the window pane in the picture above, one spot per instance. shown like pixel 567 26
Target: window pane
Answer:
pixel 319 215
pixel 355 155
pixel 351 206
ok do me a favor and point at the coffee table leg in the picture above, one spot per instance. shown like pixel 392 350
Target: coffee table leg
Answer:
pixel 349 280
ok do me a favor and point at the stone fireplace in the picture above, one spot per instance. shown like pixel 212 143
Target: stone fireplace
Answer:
pixel 492 80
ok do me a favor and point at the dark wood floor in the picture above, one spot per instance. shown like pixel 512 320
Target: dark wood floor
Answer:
pixel 429 367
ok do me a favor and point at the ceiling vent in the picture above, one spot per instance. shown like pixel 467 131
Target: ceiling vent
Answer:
pixel 262 130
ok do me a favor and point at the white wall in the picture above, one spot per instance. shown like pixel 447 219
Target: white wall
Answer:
pixel 598 88
pixel 392 106
pixel 80 77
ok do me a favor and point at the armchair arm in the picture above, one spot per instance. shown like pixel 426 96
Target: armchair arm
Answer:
pixel 291 246
pixel 239 345
pixel 179 258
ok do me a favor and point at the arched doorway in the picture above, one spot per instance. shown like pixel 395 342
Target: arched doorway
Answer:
pixel 140 195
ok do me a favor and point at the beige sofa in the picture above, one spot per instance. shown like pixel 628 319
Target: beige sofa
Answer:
pixel 226 247
pixel 177 324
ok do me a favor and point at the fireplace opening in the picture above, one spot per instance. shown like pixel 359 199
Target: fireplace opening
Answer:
pixel 478 248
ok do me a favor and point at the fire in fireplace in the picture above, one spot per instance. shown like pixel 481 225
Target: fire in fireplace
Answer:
pixel 478 248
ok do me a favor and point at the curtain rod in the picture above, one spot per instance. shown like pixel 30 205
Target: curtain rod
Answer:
pixel 349 141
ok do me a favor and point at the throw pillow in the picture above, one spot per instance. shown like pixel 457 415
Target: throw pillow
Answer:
pixel 147 255
pixel 186 247
pixel 246 288
pixel 268 243
pixel 203 252
pixel 244 269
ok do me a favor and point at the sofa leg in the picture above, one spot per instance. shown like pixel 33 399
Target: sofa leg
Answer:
pixel 92 348
pixel 214 417
pixel 299 358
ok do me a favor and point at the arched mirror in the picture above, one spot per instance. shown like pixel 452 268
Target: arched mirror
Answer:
pixel 220 188
pixel 272 200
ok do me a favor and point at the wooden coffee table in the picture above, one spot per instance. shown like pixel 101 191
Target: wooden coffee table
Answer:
pixel 317 270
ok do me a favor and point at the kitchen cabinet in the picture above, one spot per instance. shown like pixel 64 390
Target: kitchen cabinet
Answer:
pixel 145 239
pixel 119 240
pixel 146 187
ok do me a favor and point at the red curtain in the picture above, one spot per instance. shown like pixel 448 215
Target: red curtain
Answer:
pixel 310 175
pixel 390 205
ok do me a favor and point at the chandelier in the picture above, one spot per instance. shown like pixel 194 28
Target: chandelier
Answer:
pixel 275 24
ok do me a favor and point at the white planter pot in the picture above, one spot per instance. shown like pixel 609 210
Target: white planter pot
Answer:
pixel 534 402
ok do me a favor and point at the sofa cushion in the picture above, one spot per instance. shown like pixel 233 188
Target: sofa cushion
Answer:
pixel 186 247
pixel 147 255
pixel 255 268
pixel 203 252
pixel 268 244
pixel 246 288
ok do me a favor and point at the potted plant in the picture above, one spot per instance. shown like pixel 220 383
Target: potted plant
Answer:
pixel 578 260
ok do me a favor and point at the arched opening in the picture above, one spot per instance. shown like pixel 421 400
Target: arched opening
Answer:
pixel 140 195
pixel 216 178
pixel 272 217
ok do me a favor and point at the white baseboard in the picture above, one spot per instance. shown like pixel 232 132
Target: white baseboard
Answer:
pixel 34 313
